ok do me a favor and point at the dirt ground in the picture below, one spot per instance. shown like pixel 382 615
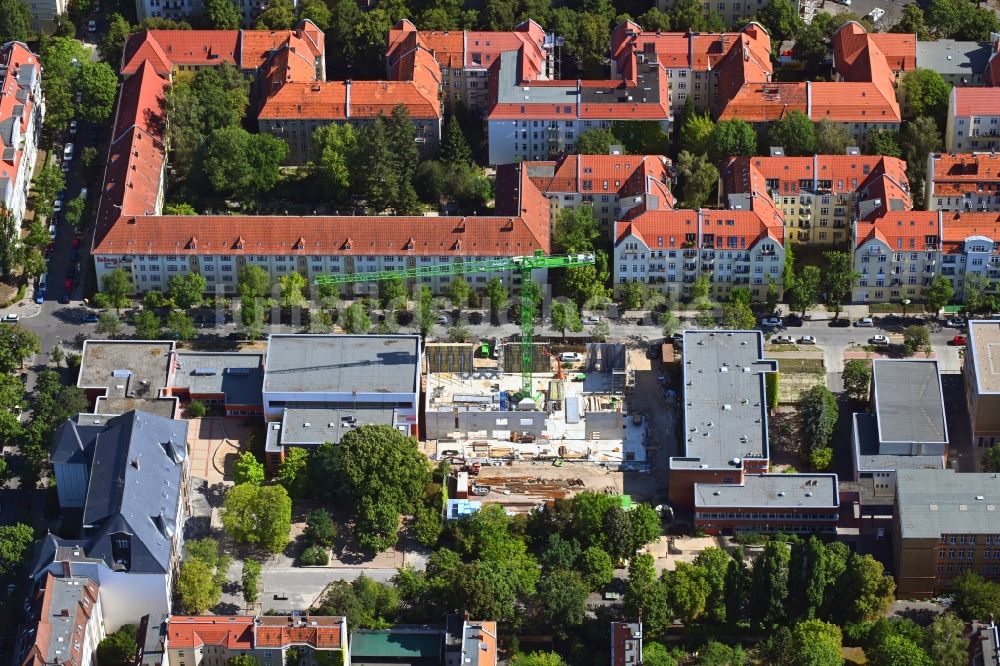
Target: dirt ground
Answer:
pixel 213 444
pixel 523 486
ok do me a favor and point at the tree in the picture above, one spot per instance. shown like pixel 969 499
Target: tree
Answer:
pixel 804 293
pixel 738 315
pixel 575 230
pixel 197 587
pixel 700 179
pixel 897 651
pixel 632 295
pixel 17 344
pixel 687 592
pixel 118 648
pixel 857 379
pixel 769 585
pixel 596 567
pixel 109 324
pixel 459 333
pixel 247 469
pixel 336 151
pixel 401 141
pixel 454 148
pixel 990 462
pixel 147 325
pixel 15 542
pixel 496 292
pixel 720 654
pixel 795 132
pixel 920 137
pixel 938 294
pixel 811 47
pixel 186 291
pixel 222 15
pixel 364 602
pixel 279 15
pixel 562 597
pixel 566 315
pixel 293 473
pixel 97 84
pixel 242 164
pixel 112 44
pixel 258 515
pixel 596 141
pixel 945 643
pixel 15 21
pixel 10 249
pixel 913 22
pixel 646 595
pixel 117 288
pixel 180 326
pixel 458 291
pixel 916 338
pixel 713 567
pixel 884 142
pixel 688 15
pixel 832 138
pixel 840 278
pixel 732 137
pixel 976 299
pixel 781 18
pixel 379 471
pixel 319 530
pixel 737 589
pixel 355 319
pixel 818 413
pixel 255 280
pixel 697 134
pixel 538 659
pixel 865 593
pixel 73 213
pixel 975 597
pixel 925 93
pixel 292 287
pixel 250 579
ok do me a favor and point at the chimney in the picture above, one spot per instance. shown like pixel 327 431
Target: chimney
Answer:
pixel 64 612
pixel 67 568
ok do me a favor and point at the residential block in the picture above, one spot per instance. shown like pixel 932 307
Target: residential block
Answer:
pixel 22 108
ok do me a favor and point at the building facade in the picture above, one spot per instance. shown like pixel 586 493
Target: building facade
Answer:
pixel 22 109
pixel 973 120
pixel 982 383
pixel 768 503
pixel 44 14
pixel 67 622
pixel 944 526
pixel 964 182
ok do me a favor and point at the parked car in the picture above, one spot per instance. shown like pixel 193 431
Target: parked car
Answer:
pixel 591 320
pixel 839 322
pixel 90 318
pixel 958 341
pixel 68 284
pixel 807 340
pixel 76 243
pixel 865 322
pixel 57 204
pixel 771 321
pixel 782 340
pixel 875 15
pixel 72 127
pixel 879 340
pixel 793 321
pixel 52 231
pixel 11 318
pixel 443 320
pixel 92 24
pixel 954 322
pixel 570 357
pixel 68 152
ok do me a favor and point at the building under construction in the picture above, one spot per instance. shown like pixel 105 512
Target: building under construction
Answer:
pixel 578 410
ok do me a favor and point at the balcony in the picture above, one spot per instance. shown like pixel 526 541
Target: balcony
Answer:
pixel 689 266
pixel 690 254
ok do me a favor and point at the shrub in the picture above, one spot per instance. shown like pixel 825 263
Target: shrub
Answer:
pixel 315 556
pixel 197 409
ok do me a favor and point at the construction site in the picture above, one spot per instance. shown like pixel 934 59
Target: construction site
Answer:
pixel 577 410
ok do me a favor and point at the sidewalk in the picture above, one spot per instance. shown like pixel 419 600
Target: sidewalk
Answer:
pixel 815 314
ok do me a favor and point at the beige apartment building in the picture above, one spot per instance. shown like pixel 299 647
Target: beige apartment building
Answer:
pixel 982 382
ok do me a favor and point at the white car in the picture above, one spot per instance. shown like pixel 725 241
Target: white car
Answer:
pixel 92 24
pixel 52 231
pixel 443 320
pixel 570 357
pixel 879 340
pixel 771 321
pixel 72 127
pixel 68 152
pixel 875 15
pixel 807 340
pixel 782 340
pixel 591 320
pixel 954 322
pixel 11 318
pixel 57 204
pixel 865 322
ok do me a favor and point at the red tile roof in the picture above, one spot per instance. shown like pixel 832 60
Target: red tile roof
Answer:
pixel 765 102
pixel 625 175
pixel 976 101
pixel 901 230
pixel 843 101
pixel 900 49
pixel 956 175
pixel 194 631
pixel 17 100
pixel 993 66
pixel 321 632
pixel 959 226
pixel 845 173
pixel 340 100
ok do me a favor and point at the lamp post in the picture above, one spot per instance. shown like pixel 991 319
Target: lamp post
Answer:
pixel 906 303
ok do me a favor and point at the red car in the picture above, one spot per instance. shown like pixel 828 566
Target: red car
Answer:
pixel 76 243
pixel 958 341
pixel 68 284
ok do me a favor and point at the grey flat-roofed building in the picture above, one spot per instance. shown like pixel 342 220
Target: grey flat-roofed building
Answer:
pixel 312 427
pixel 232 379
pixel 868 459
pixel 981 372
pixel 909 403
pixel 122 375
pixel 725 406
pixel 930 503
pixel 959 63
pixel 802 503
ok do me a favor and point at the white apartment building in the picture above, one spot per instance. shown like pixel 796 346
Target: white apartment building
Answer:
pixel 963 182
pixel 22 108
pixel 973 120
pixel 668 250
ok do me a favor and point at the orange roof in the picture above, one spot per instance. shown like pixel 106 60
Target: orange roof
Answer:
pixel 956 175
pixel 836 173
pixel 322 632
pixel 257 46
pixel 169 48
pixel 17 100
pixel 230 632
pixel 340 100
pixel 993 66
pixel 678 50
pixel 901 230
pixel 748 60
pixel 487 652
pixel 765 102
pixel 736 229
pixel 900 49
pixel 625 175
pixel 976 101
pixel 959 226
pixel 843 101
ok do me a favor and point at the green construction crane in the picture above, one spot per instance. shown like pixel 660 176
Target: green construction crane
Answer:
pixel 523 265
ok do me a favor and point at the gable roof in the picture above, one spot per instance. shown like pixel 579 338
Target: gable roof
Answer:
pixel 195 631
